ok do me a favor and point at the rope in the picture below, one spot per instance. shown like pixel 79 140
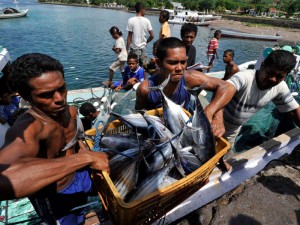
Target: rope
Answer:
pixel 96 146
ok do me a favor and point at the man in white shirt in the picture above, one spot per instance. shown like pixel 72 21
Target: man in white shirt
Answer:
pixel 253 89
pixel 137 27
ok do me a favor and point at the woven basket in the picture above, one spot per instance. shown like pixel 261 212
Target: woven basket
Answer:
pixel 152 206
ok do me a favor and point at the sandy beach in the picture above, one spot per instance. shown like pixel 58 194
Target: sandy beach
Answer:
pixel 289 35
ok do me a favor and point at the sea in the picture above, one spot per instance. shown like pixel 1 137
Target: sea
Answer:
pixel 79 38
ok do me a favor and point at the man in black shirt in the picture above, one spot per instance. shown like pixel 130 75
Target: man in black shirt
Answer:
pixel 188 34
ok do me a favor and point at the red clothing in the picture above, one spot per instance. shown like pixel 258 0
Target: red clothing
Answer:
pixel 213 45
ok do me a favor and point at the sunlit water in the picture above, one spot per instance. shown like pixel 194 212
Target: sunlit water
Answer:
pixel 79 38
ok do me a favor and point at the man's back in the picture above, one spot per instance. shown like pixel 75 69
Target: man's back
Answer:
pixel 230 70
pixel 139 26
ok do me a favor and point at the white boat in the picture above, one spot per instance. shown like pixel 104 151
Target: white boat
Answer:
pixel 8 13
pixel 243 66
pixel 242 35
pixel 194 15
pixel 183 19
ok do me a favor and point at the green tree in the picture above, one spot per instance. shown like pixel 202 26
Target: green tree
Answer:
pixel 206 5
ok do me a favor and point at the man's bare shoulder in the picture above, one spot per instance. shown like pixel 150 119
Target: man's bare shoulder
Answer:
pixel 73 111
pixel 28 120
pixel 143 88
pixel 142 95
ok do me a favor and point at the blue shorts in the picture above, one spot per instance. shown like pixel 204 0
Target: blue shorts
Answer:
pixel 81 183
pixel 58 206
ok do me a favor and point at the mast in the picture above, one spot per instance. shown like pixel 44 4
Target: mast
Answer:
pixel 16 3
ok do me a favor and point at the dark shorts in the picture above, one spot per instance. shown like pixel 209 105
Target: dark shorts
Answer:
pixel 210 58
pixel 142 55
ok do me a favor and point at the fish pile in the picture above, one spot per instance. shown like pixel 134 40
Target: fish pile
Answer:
pixel 157 151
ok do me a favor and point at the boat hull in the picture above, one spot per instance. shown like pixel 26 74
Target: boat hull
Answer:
pixel 241 35
pixel 204 24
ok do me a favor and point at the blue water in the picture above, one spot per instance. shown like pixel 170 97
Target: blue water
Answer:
pixel 79 38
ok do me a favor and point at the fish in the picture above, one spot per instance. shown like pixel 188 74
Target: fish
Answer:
pixel 202 134
pixel 135 121
pixel 158 158
pixel 185 161
pixel 189 161
pixel 159 130
pixel 174 115
pixel 152 183
pixel 125 170
pixel 122 141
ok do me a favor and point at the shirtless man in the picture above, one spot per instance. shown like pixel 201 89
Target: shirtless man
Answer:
pixel 172 60
pixel 231 68
pixel 38 157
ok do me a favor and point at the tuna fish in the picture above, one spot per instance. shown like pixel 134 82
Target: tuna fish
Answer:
pixel 152 183
pixel 121 142
pixel 174 115
pixel 202 134
pixel 125 170
pixel 156 129
pixel 135 121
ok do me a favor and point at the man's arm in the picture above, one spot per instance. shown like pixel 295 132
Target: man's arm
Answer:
pixel 20 166
pixel 142 96
pixel 36 173
pixel 295 115
pixel 224 91
pixel 151 36
pixel 217 124
pixel 129 40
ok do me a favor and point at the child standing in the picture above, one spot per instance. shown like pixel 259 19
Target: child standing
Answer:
pixel 212 48
pixel 165 29
pixel 133 74
pixel 231 68
pixel 120 49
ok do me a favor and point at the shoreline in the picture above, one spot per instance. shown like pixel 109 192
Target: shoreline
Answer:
pixel 290 36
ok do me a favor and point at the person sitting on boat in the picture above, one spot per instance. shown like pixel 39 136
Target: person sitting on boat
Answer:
pixel 89 111
pixel 251 90
pixel 9 103
pixel 212 49
pixel 231 68
pixel 120 49
pixel 43 156
pixel 165 29
pixel 172 60
pixel 152 67
pixel 188 33
pixel 133 74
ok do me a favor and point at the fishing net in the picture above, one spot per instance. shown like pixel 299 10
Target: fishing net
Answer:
pixel 262 126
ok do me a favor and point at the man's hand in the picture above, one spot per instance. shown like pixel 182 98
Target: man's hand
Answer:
pixel 218 127
pixel 118 88
pixel 132 81
pixel 99 159
pixel 216 122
